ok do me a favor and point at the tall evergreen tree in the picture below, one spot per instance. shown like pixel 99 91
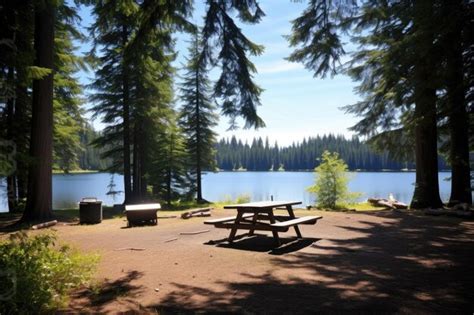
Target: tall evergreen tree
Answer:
pixel 39 199
pixel 112 31
pixel 397 69
pixel 68 121
pixel 197 117
pixel 456 42
pixel 168 171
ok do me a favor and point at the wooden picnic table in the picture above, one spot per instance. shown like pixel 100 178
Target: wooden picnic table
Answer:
pixel 259 216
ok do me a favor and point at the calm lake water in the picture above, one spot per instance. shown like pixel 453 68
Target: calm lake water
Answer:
pixel 69 189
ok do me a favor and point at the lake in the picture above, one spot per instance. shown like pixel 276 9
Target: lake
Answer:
pixel 69 189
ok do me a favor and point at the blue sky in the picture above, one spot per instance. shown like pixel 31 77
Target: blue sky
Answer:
pixel 294 104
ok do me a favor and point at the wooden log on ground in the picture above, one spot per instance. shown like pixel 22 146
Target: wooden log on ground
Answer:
pixel 383 203
pixel 392 204
pixel 170 240
pixel 373 201
pixel 400 205
pixel 130 248
pixel 44 225
pixel 196 213
pixel 194 233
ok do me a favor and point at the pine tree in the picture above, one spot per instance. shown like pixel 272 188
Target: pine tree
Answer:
pixel 39 199
pixel 168 171
pixel 239 95
pixel 112 31
pixel 68 121
pixel 398 67
pixel 331 182
pixel 197 117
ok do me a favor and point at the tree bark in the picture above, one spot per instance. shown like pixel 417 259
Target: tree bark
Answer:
pixel 426 193
pixel 126 121
pixel 136 192
pixel 23 43
pixel 458 123
pixel 198 144
pixel 23 127
pixel 39 200
pixel 12 195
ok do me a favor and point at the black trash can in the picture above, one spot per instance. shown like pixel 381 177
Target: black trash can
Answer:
pixel 90 210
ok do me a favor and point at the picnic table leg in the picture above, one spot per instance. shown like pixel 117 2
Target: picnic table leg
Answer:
pixel 234 230
pixel 275 233
pixel 254 222
pixel 292 215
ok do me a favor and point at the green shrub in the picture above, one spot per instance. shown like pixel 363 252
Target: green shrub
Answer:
pixel 38 275
pixel 243 198
pixel 331 182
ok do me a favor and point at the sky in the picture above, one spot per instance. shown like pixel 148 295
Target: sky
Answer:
pixel 295 105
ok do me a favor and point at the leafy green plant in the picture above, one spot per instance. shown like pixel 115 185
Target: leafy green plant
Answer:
pixel 243 198
pixel 39 274
pixel 331 182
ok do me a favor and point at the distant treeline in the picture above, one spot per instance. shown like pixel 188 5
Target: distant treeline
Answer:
pixel 260 155
pixel 233 154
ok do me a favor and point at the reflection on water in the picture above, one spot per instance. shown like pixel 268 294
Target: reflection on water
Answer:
pixel 69 189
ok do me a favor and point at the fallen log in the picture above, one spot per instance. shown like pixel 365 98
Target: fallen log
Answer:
pixel 196 213
pixel 194 233
pixel 400 205
pixel 392 204
pixel 384 203
pixel 170 240
pixel 44 225
pixel 130 248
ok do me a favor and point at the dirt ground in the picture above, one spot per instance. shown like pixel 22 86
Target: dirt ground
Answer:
pixel 378 262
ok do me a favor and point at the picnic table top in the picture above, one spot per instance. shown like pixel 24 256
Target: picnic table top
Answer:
pixel 262 204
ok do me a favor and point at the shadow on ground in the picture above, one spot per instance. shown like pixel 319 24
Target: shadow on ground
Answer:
pixel 407 264
pixel 264 243
pixel 100 295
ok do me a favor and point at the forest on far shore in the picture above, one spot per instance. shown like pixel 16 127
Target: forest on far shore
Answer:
pixel 261 155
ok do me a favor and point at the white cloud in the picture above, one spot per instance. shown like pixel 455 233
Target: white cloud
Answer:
pixel 278 67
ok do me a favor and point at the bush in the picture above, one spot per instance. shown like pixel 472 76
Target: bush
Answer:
pixel 243 198
pixel 38 275
pixel 331 182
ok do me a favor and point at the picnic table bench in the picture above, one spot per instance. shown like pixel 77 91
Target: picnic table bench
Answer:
pixel 143 213
pixel 259 216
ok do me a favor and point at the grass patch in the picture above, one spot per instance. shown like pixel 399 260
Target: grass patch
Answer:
pixel 361 206
pixel 227 200
pixel 365 206
pixel 75 172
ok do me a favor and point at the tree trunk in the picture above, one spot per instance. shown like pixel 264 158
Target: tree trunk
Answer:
pixel 136 165
pixel 457 115
pixel 198 144
pixel 23 127
pixel 168 187
pixel 143 168
pixel 126 121
pixel 39 200
pixel 23 43
pixel 12 195
pixel 426 193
